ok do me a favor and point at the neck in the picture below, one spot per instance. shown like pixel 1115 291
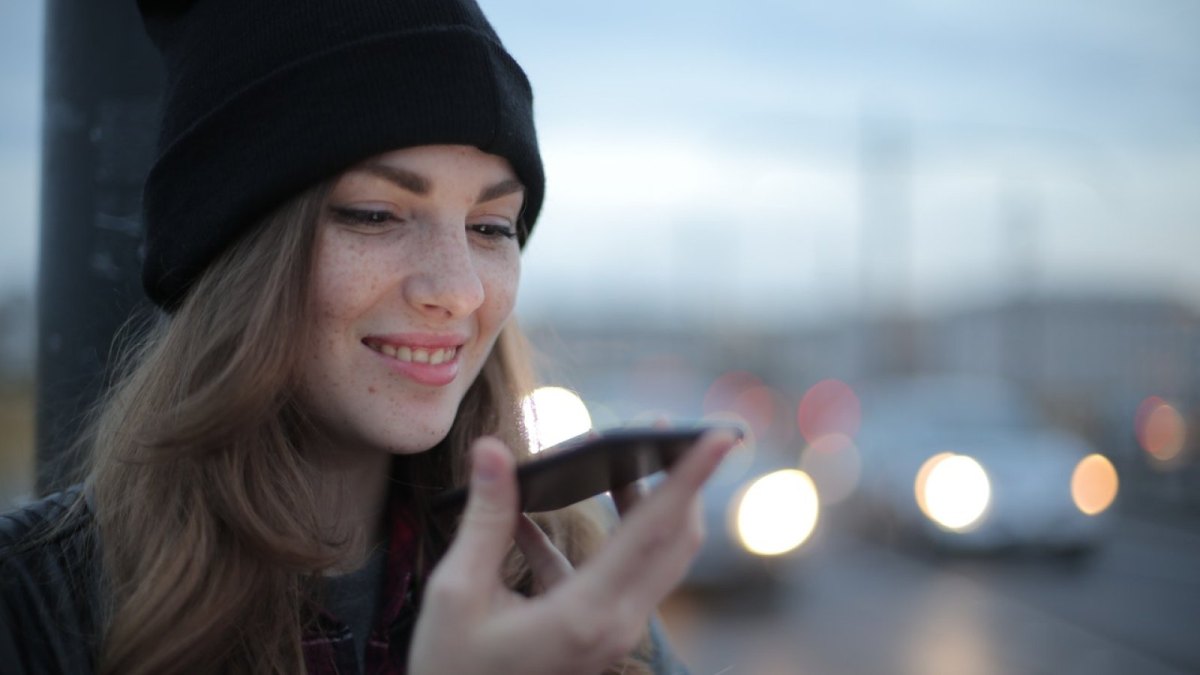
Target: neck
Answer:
pixel 353 503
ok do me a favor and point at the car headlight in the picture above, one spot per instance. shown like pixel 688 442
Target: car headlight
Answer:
pixel 776 513
pixel 953 491
pixel 1094 484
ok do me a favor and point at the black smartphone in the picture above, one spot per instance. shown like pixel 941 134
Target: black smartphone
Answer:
pixel 588 465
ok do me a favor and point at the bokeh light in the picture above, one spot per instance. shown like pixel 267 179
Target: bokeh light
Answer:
pixel 552 415
pixel 745 395
pixel 776 513
pixel 957 493
pixel 1161 430
pixel 923 478
pixel 1094 484
pixel 757 405
pixel 724 390
pixel 828 407
pixel 834 464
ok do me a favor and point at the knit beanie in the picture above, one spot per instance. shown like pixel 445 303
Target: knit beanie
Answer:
pixel 265 98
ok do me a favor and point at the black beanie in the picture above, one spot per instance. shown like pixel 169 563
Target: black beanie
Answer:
pixel 265 98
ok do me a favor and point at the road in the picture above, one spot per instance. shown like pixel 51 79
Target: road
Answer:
pixel 851 607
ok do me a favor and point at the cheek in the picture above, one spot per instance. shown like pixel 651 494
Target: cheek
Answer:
pixel 344 279
pixel 343 284
pixel 501 280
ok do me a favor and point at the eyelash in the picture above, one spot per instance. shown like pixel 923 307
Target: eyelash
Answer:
pixel 494 230
pixel 364 216
pixel 372 218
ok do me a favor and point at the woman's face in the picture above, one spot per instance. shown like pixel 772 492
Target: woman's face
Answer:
pixel 416 271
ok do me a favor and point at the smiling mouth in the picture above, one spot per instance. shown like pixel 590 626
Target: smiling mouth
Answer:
pixel 433 356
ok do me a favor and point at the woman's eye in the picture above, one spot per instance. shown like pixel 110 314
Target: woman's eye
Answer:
pixel 363 216
pixel 495 230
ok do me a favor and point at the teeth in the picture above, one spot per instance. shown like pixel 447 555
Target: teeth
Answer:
pixel 417 355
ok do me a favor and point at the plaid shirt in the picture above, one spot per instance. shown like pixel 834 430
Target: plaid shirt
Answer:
pixel 329 647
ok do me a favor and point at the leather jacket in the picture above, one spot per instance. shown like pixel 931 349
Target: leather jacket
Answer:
pixel 49 571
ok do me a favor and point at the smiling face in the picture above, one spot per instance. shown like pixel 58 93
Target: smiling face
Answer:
pixel 416 270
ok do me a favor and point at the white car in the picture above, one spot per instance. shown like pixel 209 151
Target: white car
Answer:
pixel 968 464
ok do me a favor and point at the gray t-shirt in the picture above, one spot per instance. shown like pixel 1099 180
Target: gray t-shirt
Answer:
pixel 354 598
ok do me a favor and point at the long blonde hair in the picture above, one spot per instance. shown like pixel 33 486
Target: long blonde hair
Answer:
pixel 204 499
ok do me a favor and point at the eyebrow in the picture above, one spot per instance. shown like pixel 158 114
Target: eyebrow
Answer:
pixel 505 187
pixel 418 184
pixel 403 178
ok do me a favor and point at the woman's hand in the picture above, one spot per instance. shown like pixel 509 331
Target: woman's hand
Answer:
pixel 585 619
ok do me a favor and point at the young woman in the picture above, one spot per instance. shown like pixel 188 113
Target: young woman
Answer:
pixel 334 228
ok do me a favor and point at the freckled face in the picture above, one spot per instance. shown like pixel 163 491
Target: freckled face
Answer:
pixel 416 272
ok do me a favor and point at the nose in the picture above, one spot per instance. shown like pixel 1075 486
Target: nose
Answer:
pixel 445 282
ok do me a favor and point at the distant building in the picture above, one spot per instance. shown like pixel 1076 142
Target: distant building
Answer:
pixel 1090 360
pixel 1081 348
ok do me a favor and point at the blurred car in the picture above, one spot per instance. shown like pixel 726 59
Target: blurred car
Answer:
pixel 758 513
pixel 969 464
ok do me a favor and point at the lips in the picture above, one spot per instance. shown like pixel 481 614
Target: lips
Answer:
pixel 432 356
pixel 429 360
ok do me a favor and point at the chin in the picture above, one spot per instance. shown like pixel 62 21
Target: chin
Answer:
pixel 413 441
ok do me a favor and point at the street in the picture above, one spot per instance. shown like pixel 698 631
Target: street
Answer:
pixel 852 607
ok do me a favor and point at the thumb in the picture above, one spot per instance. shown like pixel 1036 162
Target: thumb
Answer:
pixel 490 518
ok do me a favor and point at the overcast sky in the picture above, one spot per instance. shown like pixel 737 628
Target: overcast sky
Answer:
pixel 769 158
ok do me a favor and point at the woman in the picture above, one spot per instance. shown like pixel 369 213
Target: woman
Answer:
pixel 334 228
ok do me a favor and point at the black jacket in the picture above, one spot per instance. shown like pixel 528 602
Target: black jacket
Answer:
pixel 48 576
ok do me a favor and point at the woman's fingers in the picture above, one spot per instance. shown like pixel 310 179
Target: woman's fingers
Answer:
pixel 626 496
pixel 474 558
pixel 603 608
pixel 585 619
pixel 652 547
pixel 548 564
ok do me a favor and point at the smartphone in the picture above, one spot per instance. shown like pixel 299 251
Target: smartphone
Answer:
pixel 588 465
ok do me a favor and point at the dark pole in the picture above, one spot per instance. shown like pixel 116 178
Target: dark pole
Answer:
pixel 103 80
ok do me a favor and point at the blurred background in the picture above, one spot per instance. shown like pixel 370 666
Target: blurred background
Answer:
pixel 935 256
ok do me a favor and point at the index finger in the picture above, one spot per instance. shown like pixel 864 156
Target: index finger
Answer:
pixel 652 546
pixel 626 496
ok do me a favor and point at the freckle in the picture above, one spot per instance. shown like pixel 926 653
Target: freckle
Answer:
pixel 371 390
